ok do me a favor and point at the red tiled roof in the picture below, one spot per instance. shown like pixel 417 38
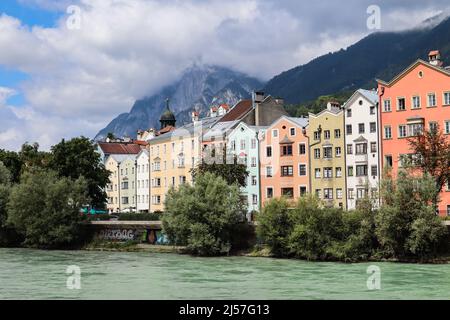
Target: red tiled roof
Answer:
pixel 238 111
pixel 119 148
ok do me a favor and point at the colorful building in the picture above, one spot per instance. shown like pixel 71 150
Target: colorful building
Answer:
pixel 416 99
pixel 243 143
pixel 284 155
pixel 327 155
pixel 121 191
pixel 142 181
pixel 361 147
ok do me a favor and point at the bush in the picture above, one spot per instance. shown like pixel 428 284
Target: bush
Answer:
pixel 45 209
pixel 203 217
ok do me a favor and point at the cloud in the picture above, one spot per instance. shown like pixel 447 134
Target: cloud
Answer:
pixel 126 49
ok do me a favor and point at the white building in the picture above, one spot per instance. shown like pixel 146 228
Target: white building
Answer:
pixel 362 147
pixel 142 181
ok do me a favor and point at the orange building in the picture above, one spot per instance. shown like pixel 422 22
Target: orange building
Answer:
pixel 284 159
pixel 416 99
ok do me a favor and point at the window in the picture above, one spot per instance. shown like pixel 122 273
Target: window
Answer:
pixel 287 192
pixel 316 135
pixel 339 194
pixel 372 110
pixel 328 173
pixel 182 179
pixel 360 193
pixel 349 149
pixel 361 128
pixel 287 171
pixel 254 199
pixel 253 143
pixel 401 104
pixel 302 169
pixel 327 134
pixel 431 100
pixel 338 151
pixel 361 170
pixel 302 191
pixel 269 172
pixel 387 105
pixel 233 145
pixel 275 133
pixel 416 102
pixel 292 130
pixel 387 132
pixel 350 171
pixel 433 126
pixel 317 153
pixel 373 127
pixel 338 172
pixel 317 173
pixel 254 181
pixel 349 129
pixel 448 210
pixel 350 193
pixel 125 200
pixel 388 160
pixel 268 152
pixel 302 148
pixel 337 133
pixel 349 113
pixel 286 150
pixel 373 147
pixel 269 193
pixel 327 152
pixel 446 98
pixel 328 193
pixel 319 193
pixel 124 185
pixel 447 126
pixel 374 171
pixel 253 162
pixel 361 148
pixel 242 144
pixel 402 131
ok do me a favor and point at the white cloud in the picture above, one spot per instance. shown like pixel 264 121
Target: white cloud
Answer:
pixel 126 49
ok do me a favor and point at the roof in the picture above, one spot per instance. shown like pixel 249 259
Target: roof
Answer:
pixel 238 111
pixel 143 152
pixel 119 158
pixel 219 129
pixel 302 122
pixel 434 53
pixel 370 95
pixel 225 106
pixel 408 69
pixel 141 143
pixel 165 130
pixel 119 147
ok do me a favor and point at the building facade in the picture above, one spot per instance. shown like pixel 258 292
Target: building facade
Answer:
pixel 361 147
pixel 121 190
pixel 327 155
pixel 143 181
pixel 284 155
pixel 243 143
pixel 416 99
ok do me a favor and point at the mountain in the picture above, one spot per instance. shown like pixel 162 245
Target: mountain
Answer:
pixel 380 55
pixel 199 87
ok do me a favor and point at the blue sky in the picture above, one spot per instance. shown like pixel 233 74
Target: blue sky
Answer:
pixel 59 82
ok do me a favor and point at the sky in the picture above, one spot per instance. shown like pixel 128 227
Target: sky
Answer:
pixel 68 67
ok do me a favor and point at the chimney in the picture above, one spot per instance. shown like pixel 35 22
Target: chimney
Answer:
pixel 333 105
pixel 194 116
pixel 434 57
pixel 258 96
pixel 213 112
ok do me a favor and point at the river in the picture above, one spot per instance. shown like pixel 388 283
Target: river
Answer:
pixel 34 274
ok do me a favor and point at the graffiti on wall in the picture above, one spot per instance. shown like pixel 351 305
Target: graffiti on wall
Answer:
pixel 117 234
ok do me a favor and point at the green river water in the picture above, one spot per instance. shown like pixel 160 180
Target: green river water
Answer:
pixel 33 274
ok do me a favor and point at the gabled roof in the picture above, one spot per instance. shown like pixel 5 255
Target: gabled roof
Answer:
pixel 219 129
pixel 238 111
pixel 301 122
pixel 334 112
pixel 119 158
pixel 370 95
pixel 143 152
pixel 119 148
pixel 408 69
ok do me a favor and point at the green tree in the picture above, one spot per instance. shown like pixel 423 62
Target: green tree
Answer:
pixel 45 209
pixel 77 158
pixel 204 216
pixel 31 157
pixel 275 226
pixel 13 163
pixel 432 150
pixel 406 224
pixel 5 179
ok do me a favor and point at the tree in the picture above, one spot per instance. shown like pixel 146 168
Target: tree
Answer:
pixel 31 157
pixel 5 178
pixel 432 150
pixel 13 163
pixel 406 224
pixel 204 216
pixel 77 158
pixel 45 209
pixel 110 136
pixel 275 226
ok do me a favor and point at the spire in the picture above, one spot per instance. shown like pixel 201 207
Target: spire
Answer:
pixel 167 118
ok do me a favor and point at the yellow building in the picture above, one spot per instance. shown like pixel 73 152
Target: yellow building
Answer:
pixel 327 155
pixel 172 157
pixel 121 190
